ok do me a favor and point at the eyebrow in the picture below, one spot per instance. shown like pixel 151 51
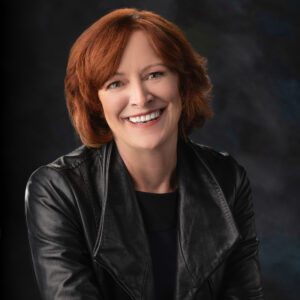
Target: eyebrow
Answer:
pixel 144 69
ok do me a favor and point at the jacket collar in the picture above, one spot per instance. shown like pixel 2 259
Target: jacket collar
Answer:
pixel 206 229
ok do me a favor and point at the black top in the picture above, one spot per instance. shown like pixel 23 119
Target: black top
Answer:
pixel 160 217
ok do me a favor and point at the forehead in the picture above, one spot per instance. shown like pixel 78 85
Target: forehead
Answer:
pixel 138 51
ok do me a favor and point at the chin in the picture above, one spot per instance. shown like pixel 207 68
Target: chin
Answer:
pixel 146 144
pixel 150 143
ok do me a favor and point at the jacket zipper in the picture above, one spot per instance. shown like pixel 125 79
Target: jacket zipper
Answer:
pixel 117 280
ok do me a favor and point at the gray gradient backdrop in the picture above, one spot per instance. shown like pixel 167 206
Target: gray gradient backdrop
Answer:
pixel 253 59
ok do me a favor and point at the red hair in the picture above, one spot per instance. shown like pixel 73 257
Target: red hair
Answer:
pixel 96 55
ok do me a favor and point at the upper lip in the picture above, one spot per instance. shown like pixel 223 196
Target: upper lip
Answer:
pixel 145 113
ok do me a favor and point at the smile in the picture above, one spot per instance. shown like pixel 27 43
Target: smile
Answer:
pixel 146 118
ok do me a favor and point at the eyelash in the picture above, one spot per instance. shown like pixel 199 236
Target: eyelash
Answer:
pixel 160 73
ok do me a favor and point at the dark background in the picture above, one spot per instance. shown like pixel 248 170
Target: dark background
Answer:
pixel 253 60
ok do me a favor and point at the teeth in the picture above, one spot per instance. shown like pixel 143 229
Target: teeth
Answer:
pixel 144 118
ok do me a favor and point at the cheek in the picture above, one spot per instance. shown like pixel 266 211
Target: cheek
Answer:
pixel 112 107
pixel 172 96
pixel 171 91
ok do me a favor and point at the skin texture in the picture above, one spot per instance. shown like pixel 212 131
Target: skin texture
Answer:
pixel 144 85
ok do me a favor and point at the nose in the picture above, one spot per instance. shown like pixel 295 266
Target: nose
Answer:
pixel 139 94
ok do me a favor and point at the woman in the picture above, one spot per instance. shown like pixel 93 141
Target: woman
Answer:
pixel 139 211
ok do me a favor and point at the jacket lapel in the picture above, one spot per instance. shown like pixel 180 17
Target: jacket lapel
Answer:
pixel 206 229
pixel 124 247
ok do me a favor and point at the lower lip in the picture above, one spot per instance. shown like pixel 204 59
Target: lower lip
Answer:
pixel 147 124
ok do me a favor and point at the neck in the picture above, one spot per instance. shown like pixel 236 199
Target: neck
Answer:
pixel 152 170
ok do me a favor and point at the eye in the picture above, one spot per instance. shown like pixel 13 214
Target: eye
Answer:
pixel 155 74
pixel 114 85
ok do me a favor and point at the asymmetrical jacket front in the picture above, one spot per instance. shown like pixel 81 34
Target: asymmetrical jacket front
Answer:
pixel 88 239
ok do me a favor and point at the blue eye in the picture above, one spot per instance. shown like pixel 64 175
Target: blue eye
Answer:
pixel 113 85
pixel 155 74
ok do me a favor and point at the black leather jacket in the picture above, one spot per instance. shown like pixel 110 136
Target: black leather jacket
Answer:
pixel 88 239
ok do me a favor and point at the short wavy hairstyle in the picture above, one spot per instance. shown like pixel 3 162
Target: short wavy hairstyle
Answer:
pixel 96 55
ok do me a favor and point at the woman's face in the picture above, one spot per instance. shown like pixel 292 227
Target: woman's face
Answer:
pixel 141 102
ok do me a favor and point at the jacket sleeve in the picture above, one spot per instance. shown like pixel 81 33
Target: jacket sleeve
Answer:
pixel 61 260
pixel 242 279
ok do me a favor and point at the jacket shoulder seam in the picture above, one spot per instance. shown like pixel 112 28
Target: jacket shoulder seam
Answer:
pixel 79 161
pixel 210 149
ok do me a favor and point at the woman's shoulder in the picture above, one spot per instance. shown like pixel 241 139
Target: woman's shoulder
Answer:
pixel 71 167
pixel 223 167
pixel 75 158
pixel 58 183
pixel 209 150
pixel 209 153
pixel 218 161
